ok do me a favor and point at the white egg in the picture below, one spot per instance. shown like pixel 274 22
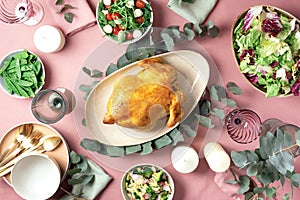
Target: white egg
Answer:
pixel 118 21
pixel 107 28
pixel 138 13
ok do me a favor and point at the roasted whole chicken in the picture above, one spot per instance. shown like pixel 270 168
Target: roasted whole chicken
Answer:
pixel 139 100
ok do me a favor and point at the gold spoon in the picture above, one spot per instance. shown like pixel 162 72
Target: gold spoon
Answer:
pixel 48 144
pixel 29 142
pixel 23 132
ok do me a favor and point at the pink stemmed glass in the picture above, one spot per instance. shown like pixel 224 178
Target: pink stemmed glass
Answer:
pixel 28 12
pixel 243 125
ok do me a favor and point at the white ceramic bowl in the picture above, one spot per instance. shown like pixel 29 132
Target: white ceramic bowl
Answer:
pixel 169 179
pixel 5 58
pixel 102 8
pixel 35 177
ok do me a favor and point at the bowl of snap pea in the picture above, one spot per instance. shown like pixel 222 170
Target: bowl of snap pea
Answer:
pixel 22 74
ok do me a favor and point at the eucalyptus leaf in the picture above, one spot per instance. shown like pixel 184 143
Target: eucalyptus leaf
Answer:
pixel 89 144
pixel 219 113
pixel 205 121
pixel 111 68
pixel 68 16
pixel 115 151
pixel 244 183
pixel 271 192
pixel 213 31
pixel 252 169
pixel 288 140
pixel 83 165
pixel 96 74
pixel 146 148
pixel 229 102
pixel 188 130
pixel 75 158
pixel 162 142
pixel 189 32
pixel 234 88
pixel 59 2
pixel 205 107
pixel 239 159
pixel 132 149
pixel 85 179
pixel 231 182
pixel 85 88
pixel 168 41
pixel 213 92
pixel 176 136
pixel 286 197
pixel 71 172
pixel 74 181
pixel 295 178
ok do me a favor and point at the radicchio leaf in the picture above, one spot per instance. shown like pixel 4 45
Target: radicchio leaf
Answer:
pixel 296 87
pixel 252 12
pixel 271 24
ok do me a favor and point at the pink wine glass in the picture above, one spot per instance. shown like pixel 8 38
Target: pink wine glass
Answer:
pixel 243 125
pixel 28 12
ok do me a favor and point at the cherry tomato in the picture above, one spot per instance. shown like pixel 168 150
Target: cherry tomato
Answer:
pixel 139 20
pixel 115 1
pixel 140 4
pixel 107 7
pixel 116 15
pixel 109 16
pixel 121 27
pixel 116 30
pixel 129 36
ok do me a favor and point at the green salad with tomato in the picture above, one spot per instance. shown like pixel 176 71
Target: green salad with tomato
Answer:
pixel 147 182
pixel 266 42
pixel 124 20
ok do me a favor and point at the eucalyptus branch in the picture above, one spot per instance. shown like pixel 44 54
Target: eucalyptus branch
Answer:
pixel 286 149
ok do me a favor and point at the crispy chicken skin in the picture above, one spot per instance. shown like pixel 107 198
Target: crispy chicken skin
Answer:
pixel 138 101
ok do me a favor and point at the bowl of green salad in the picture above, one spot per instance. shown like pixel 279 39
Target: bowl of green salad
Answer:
pixel 266 45
pixel 147 181
pixel 22 74
pixel 124 21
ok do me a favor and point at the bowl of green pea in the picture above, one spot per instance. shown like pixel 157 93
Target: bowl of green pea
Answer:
pixel 22 74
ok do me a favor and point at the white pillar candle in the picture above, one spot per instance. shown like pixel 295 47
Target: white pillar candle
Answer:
pixel 184 159
pixel 216 157
pixel 49 39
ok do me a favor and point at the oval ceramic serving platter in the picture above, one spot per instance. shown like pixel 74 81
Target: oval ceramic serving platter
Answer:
pixel 192 76
pixel 60 154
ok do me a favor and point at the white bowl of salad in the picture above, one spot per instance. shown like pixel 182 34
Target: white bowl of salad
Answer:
pixel 266 44
pixel 124 21
pixel 147 181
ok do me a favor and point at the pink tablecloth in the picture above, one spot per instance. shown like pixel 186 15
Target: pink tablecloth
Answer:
pixel 63 67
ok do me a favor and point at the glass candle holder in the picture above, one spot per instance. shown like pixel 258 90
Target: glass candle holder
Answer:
pixel 243 125
pixel 49 106
pixel 28 12
pixel 274 125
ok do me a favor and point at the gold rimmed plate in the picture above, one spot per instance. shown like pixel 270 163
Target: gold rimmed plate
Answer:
pixel 59 154
pixel 192 75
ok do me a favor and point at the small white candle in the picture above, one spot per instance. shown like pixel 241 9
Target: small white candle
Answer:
pixel 216 157
pixel 184 159
pixel 49 39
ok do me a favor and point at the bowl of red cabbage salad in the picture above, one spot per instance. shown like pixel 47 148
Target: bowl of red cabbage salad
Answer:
pixel 124 21
pixel 266 43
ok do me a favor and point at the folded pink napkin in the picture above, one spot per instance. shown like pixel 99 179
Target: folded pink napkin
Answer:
pixel 84 17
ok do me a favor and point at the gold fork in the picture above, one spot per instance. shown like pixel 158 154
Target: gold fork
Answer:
pixel 29 142
pixel 23 132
